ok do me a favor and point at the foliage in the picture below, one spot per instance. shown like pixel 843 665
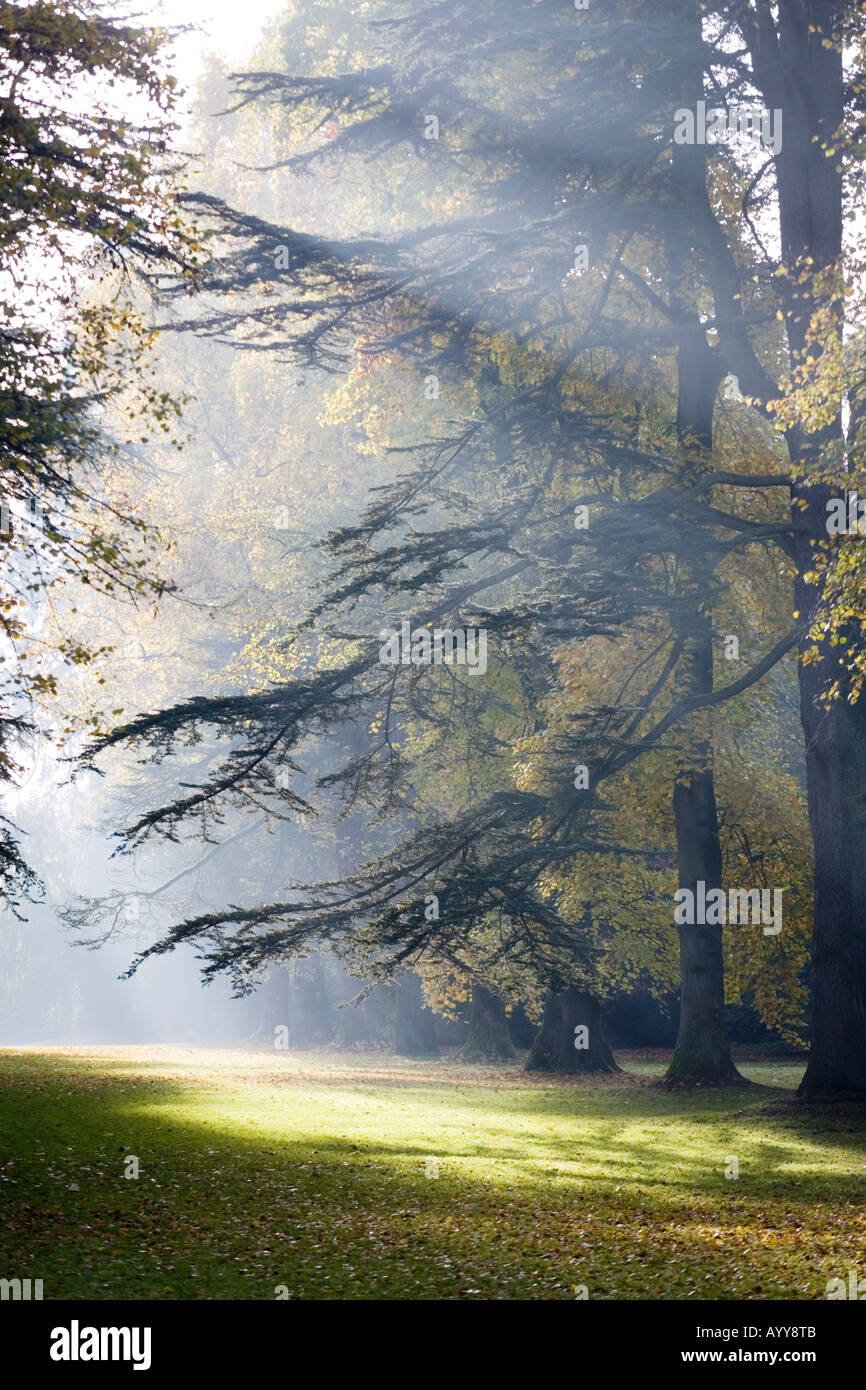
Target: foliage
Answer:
pixel 87 208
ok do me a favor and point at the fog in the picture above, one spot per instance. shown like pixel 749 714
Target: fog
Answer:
pixel 56 990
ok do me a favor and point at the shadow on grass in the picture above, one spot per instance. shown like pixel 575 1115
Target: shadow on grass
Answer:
pixel 243 1190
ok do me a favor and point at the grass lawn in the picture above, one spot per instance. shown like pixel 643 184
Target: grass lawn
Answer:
pixel 309 1170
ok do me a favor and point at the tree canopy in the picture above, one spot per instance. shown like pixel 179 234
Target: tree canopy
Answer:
pixel 88 204
pixel 618 366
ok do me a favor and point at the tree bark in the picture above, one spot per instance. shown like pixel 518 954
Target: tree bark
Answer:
pixel 488 1039
pixel 555 1047
pixel 836 771
pixel 702 1056
pixel 810 86
pixel 415 1024
pixel 796 74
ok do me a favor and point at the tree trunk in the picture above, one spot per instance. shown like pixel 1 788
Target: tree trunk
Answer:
pixel 836 770
pixel 415 1024
pixel 798 75
pixel 556 1047
pixel 702 1056
pixel 488 1039
pixel 835 747
pixel 811 224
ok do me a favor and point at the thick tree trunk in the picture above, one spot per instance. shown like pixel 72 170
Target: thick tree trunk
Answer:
pixel 802 78
pixel 488 1039
pixel 836 770
pixel 415 1024
pixel 835 746
pixel 810 85
pixel 559 1043
pixel 702 1056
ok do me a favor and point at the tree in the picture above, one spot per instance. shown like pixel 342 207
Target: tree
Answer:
pixel 87 205
pixel 571 1037
pixel 566 415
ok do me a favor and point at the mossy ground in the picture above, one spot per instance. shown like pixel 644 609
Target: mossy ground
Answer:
pixel 309 1171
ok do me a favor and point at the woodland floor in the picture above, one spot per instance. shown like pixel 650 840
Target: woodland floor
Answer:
pixel 308 1170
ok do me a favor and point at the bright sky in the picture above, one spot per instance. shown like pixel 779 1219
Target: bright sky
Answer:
pixel 228 28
